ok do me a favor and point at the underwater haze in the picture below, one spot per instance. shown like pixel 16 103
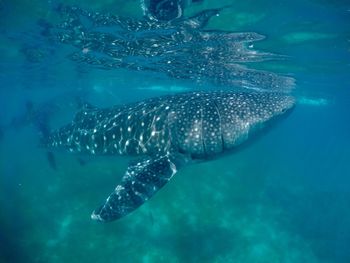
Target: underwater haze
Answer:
pixel 282 197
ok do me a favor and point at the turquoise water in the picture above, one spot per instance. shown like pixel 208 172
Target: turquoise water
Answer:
pixel 283 198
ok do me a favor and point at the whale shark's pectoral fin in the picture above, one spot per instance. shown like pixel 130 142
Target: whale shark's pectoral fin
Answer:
pixel 140 182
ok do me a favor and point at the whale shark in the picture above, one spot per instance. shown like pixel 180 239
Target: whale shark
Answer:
pixel 164 134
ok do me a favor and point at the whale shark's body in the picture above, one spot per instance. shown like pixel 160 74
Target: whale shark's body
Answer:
pixel 167 132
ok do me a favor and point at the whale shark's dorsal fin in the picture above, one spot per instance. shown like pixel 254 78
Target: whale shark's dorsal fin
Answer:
pixel 202 18
pixel 140 182
pixel 84 109
pixel 84 105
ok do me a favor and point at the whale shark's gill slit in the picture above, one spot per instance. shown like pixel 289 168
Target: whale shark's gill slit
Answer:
pixel 220 126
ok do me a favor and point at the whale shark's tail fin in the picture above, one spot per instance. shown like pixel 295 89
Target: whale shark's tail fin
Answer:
pixel 1 132
pixel 51 159
pixel 48 136
pixel 140 182
pixel 42 123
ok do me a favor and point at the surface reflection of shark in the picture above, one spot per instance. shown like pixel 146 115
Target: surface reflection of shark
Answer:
pixel 180 48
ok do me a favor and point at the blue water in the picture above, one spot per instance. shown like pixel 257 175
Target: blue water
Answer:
pixel 283 198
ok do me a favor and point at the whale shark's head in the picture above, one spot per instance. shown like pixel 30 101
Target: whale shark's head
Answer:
pixel 248 113
pixel 213 122
pixel 278 104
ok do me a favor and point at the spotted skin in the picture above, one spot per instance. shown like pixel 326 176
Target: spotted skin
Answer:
pixel 166 132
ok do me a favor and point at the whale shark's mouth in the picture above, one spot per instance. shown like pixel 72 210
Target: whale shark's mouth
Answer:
pixel 288 104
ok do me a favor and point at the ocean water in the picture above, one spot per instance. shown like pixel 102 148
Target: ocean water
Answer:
pixel 283 198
